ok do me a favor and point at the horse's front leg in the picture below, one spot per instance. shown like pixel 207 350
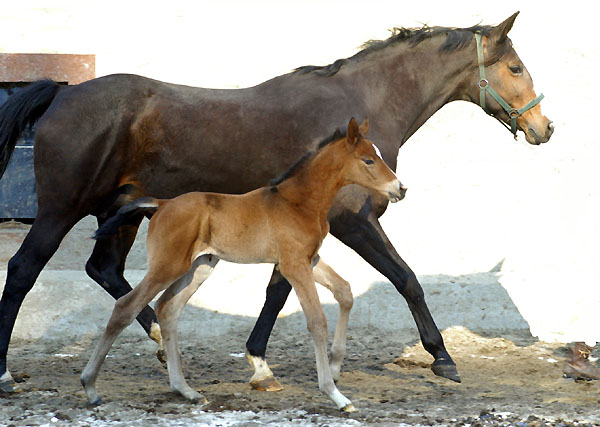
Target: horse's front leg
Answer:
pixel 326 276
pixel 301 278
pixel 363 233
pixel 256 346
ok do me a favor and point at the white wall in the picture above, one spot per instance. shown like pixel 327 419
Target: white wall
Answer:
pixel 476 196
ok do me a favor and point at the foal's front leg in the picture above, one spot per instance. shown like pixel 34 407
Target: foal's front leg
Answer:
pixel 301 278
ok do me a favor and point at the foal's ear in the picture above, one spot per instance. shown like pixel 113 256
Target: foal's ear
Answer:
pixel 353 132
pixel 498 34
pixel 364 128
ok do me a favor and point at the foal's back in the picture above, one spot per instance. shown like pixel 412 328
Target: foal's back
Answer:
pixel 232 227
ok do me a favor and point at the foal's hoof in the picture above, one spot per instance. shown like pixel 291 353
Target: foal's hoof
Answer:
pixel 10 386
pixel 266 384
pixel 161 355
pixel 348 408
pixel 95 402
pixel 445 368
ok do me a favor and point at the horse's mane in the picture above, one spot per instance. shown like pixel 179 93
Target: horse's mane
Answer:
pixel 292 170
pixel 456 39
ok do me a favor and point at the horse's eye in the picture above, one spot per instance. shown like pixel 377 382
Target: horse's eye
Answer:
pixel 516 69
pixel 368 161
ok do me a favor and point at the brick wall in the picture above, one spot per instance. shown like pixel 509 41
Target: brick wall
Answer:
pixel 66 68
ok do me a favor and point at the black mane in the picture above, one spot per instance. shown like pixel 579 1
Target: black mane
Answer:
pixel 456 39
pixel 292 170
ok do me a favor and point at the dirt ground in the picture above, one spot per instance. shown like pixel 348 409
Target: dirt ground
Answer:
pixel 506 380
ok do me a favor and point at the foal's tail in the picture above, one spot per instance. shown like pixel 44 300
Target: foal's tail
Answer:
pixel 22 109
pixel 144 206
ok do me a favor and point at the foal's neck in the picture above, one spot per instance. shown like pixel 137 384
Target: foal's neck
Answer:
pixel 317 182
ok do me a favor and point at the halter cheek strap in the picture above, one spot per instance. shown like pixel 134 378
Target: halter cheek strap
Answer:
pixel 485 88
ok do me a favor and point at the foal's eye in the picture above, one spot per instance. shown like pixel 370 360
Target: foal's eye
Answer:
pixel 368 161
pixel 516 69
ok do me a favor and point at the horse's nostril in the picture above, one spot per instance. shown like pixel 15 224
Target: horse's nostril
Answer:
pixel 550 128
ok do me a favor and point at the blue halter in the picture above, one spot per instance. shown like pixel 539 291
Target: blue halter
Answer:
pixel 484 87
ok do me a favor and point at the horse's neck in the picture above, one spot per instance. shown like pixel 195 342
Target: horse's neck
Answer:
pixel 418 82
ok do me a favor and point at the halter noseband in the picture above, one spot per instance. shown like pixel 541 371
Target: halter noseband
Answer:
pixel 484 87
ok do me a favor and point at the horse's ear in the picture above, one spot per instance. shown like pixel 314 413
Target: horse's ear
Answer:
pixel 499 33
pixel 364 128
pixel 353 132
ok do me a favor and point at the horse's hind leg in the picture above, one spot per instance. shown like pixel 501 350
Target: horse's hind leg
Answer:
pixel 106 266
pixel 326 276
pixel 39 245
pixel 168 310
pixel 256 346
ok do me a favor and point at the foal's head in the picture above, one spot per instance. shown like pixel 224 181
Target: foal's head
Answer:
pixel 365 166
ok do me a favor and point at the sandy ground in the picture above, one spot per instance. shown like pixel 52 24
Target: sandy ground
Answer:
pixel 507 380
pixel 508 376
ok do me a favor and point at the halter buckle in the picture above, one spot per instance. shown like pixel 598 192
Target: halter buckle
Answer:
pixel 483 83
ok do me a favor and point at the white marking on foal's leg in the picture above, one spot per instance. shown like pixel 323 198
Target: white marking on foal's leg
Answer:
pixel 263 379
pixel 155 335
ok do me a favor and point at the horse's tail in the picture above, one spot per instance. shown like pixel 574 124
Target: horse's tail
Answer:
pixel 144 206
pixel 22 109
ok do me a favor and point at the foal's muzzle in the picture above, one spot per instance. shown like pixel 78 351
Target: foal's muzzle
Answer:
pixel 398 193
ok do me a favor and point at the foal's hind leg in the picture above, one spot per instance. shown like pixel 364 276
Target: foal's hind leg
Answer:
pixel 39 245
pixel 326 276
pixel 168 310
pixel 124 313
pixel 106 266
pixel 300 276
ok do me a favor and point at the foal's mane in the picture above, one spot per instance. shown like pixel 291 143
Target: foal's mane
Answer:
pixel 456 39
pixel 292 170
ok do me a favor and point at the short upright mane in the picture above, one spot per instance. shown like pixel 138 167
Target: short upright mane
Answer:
pixel 456 38
pixel 292 170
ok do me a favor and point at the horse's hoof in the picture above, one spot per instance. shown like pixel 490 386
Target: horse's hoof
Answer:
pixel 10 386
pixel 445 368
pixel 348 408
pixel 161 355
pixel 266 384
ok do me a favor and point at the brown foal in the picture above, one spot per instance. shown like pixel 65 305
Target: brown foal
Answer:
pixel 284 223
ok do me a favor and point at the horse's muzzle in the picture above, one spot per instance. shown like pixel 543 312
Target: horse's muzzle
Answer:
pixel 536 138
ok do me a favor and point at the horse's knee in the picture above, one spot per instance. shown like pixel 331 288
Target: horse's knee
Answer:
pixel 411 288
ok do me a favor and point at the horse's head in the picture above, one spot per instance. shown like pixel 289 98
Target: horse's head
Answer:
pixel 505 88
pixel 366 167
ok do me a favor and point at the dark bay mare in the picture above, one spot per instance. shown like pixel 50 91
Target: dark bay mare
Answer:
pixel 104 142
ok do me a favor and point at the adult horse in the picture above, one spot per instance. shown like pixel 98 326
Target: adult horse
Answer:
pixel 95 139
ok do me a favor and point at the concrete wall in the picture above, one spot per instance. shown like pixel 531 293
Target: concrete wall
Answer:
pixel 476 197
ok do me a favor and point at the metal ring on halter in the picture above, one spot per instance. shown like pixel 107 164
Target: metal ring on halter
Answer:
pixel 514 114
pixel 483 83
